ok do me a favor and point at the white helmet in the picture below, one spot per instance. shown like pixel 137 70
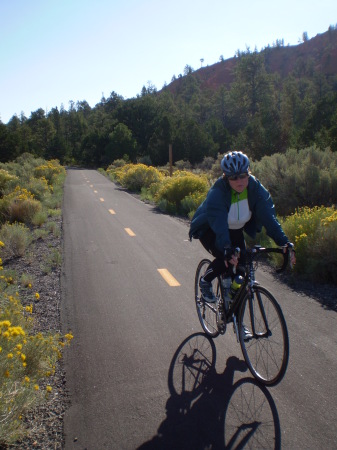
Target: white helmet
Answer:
pixel 234 163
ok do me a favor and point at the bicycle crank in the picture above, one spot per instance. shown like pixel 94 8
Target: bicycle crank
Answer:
pixel 221 324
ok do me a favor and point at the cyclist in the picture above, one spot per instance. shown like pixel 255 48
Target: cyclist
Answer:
pixel 237 202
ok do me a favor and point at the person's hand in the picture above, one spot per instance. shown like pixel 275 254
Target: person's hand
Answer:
pixel 289 247
pixel 231 256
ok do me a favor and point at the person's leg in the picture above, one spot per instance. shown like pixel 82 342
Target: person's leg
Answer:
pixel 238 240
pixel 217 266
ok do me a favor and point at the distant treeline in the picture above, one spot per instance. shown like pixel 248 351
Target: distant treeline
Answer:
pixel 260 113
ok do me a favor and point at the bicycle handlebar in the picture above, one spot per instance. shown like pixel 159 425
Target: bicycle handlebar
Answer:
pixel 256 250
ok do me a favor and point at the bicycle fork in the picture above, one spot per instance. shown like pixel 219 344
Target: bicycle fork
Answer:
pixel 251 299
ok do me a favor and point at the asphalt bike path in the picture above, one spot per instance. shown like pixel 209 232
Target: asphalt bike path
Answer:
pixel 139 371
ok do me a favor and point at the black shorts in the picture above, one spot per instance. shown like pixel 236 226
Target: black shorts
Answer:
pixel 237 240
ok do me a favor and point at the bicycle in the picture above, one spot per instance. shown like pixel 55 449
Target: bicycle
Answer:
pixel 266 349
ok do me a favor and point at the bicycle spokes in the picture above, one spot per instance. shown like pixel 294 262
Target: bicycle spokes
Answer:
pixel 266 350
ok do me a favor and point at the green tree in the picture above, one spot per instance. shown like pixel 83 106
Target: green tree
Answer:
pixel 193 143
pixel 252 83
pixel 91 152
pixel 121 142
pixel 141 116
pixel 320 126
pixel 43 132
pixel 7 148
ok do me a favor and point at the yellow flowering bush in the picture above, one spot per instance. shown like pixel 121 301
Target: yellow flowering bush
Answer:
pixel 5 177
pixel 26 359
pixel 39 187
pixel 20 205
pixel 314 232
pixel 191 202
pixel 182 193
pixel 50 170
pixel 136 176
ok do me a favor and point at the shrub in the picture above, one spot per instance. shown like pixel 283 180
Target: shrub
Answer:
pixel 39 218
pixel 25 360
pixel 208 163
pixel 38 187
pixel 40 233
pixel 150 192
pixel 27 280
pixel 52 261
pixel 19 205
pixel 137 176
pixel 50 171
pixel 53 228
pixel 146 159
pixel 181 193
pixel 116 163
pixel 55 212
pixel 314 232
pixel 16 238
pixel 116 173
pixel 190 203
pixel 54 201
pixel 5 177
pixel 216 170
pixel 23 167
pixel 24 210
pixel 306 177
pixel 183 165
pixel 4 209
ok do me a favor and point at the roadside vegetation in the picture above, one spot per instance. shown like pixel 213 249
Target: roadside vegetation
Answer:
pixel 299 181
pixel 30 199
pixel 30 196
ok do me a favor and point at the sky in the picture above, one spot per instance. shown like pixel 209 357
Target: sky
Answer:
pixel 56 51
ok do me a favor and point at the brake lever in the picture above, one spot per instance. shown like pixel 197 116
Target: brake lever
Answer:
pixel 285 260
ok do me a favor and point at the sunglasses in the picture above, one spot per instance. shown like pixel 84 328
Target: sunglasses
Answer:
pixel 241 176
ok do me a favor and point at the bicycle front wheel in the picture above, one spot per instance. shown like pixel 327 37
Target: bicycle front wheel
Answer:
pixel 266 347
pixel 207 312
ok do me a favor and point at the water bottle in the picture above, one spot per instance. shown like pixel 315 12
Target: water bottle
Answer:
pixel 226 284
pixel 235 286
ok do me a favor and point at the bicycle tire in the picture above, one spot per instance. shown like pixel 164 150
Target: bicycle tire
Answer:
pixel 192 364
pixel 207 312
pixel 267 351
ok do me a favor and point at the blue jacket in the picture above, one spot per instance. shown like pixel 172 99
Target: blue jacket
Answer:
pixel 213 213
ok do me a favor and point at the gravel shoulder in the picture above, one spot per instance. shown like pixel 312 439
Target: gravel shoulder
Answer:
pixel 45 423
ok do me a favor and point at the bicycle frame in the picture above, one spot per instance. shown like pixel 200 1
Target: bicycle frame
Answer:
pixel 248 286
pixel 257 319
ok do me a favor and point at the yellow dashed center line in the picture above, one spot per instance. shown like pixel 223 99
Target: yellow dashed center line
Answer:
pixel 91 185
pixel 170 280
pixel 95 192
pixel 111 211
pixel 129 231
pixel 101 199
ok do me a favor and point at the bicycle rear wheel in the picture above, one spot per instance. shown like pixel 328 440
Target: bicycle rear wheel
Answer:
pixel 266 352
pixel 207 312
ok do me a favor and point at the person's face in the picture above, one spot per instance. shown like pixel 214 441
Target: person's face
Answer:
pixel 239 182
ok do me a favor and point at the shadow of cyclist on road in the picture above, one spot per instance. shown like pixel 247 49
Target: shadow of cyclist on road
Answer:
pixel 207 411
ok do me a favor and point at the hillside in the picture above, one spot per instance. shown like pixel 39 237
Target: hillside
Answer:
pixel 319 53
